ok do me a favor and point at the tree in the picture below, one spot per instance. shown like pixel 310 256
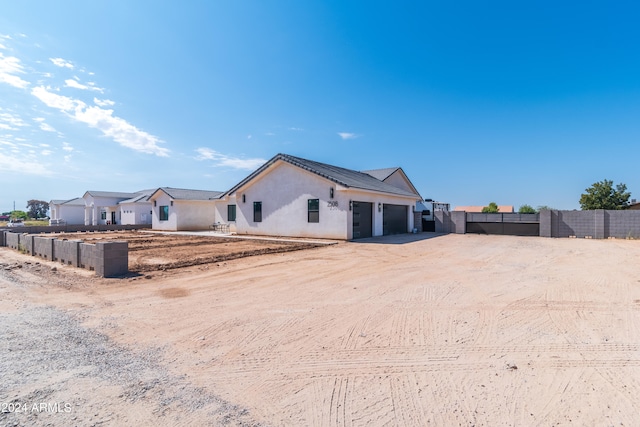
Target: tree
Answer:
pixel 37 208
pixel 545 208
pixel 602 195
pixel 492 208
pixel 19 215
pixel 526 209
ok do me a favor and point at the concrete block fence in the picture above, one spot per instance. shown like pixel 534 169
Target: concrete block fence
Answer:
pixel 595 224
pixel 107 259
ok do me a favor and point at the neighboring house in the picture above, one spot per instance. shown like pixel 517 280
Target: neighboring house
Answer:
pixel 176 209
pixel 104 207
pixel 290 196
pixel 136 210
pixel 67 211
pixel 478 209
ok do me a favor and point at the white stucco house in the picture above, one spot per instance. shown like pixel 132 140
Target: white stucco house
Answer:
pixel 108 207
pixel 66 211
pixel 136 210
pixel 175 209
pixel 291 196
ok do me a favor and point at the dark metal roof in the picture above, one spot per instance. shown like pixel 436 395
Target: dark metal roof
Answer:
pixel 345 177
pixel 185 194
pixel 111 194
pixel 76 201
pixel 381 174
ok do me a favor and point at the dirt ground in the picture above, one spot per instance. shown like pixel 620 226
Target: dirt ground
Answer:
pixel 160 251
pixel 406 330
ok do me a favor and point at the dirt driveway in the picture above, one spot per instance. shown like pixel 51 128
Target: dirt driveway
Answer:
pixel 449 330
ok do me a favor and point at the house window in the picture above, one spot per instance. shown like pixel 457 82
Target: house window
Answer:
pixel 313 210
pixel 257 211
pixel 231 212
pixel 103 215
pixel 164 213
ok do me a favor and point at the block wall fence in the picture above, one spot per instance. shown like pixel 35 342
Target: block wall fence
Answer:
pixel 596 224
pixel 107 259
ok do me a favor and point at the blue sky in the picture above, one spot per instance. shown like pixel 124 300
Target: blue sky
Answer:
pixel 511 102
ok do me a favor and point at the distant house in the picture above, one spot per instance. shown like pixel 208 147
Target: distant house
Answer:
pixel 474 209
pixel 136 210
pixel 106 207
pixel 176 209
pixel 67 211
pixel 634 205
pixel 291 196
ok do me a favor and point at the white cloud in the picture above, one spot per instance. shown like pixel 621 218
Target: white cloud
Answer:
pixel 2 46
pixel 67 147
pixel 13 122
pixel 75 84
pixel 59 62
pixel 348 135
pixel 46 152
pixel 9 67
pixel 296 129
pixel 53 100
pixel 18 165
pixel 103 102
pixel 46 127
pixel 116 128
pixel 228 161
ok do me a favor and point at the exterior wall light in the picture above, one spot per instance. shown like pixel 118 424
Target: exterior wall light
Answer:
pixel 155 203
pixel 379 207
pixel 350 204
pixel 331 193
pixel 172 203
pixel 244 198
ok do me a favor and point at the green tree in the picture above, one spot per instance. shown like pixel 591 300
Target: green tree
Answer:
pixel 37 208
pixel 492 208
pixel 545 208
pixel 526 209
pixel 19 215
pixel 602 195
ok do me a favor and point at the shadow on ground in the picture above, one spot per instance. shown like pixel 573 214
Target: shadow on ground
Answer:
pixel 400 239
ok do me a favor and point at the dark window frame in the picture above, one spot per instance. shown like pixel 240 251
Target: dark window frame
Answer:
pixel 257 211
pixel 163 213
pixel 231 213
pixel 313 210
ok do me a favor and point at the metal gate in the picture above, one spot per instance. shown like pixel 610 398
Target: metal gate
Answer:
pixel 362 219
pixel 394 219
pixel 514 224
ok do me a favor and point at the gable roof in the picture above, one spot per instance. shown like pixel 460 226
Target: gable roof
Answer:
pixel 77 201
pixel 384 174
pixel 111 194
pixel 345 177
pixel 185 194
pixel 381 174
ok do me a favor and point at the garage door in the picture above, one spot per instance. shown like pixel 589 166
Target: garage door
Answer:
pixel 362 220
pixel 394 219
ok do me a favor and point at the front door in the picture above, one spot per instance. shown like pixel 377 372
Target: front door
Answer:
pixel 113 217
